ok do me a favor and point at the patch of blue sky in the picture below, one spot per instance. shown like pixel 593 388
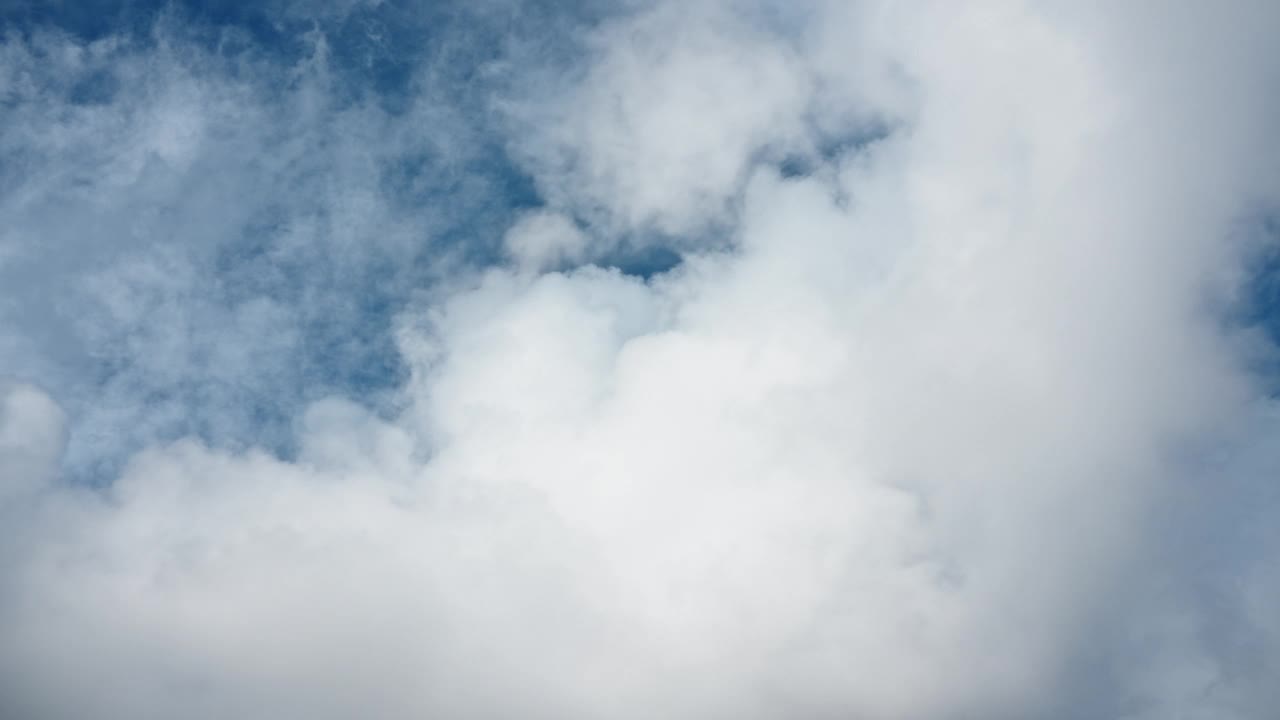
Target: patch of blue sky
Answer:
pixel 644 262
pixel 306 227
pixel 1259 303
pixel 274 261
pixel 1264 283
pixel 830 147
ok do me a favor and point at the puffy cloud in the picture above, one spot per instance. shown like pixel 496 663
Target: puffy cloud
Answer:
pixel 950 422
pixel 543 240
pixel 673 106
pixel 32 435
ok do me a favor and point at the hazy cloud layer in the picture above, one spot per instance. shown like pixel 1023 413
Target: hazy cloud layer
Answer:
pixel 343 383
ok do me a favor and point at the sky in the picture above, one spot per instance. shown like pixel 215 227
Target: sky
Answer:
pixel 618 360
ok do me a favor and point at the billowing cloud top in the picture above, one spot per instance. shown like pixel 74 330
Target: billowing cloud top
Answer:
pixel 692 360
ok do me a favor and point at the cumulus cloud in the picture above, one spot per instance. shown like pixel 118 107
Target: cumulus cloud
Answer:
pixel 672 107
pixel 544 240
pixel 946 410
pixel 31 438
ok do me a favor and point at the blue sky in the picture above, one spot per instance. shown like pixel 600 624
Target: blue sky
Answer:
pixel 728 358
pixel 449 195
pixel 347 295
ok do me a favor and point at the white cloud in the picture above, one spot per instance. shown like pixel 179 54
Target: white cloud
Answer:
pixel 543 240
pixel 911 442
pixel 32 431
pixel 669 115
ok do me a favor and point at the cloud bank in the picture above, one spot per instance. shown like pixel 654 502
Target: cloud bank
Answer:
pixel 337 392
